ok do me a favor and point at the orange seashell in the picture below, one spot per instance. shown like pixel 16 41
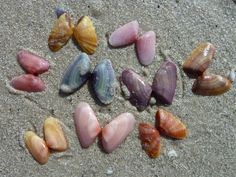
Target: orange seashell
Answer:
pixel 150 139
pixel 85 35
pixel 61 32
pixel 211 84
pixel 170 125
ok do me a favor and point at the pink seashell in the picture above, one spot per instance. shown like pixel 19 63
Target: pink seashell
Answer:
pixel 114 133
pixel 145 48
pixel 28 83
pixel 124 35
pixel 86 124
pixel 31 62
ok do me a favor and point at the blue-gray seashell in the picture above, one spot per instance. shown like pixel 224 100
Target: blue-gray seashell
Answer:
pixel 59 11
pixel 76 74
pixel 104 81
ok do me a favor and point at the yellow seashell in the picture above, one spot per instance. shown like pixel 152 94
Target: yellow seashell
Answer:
pixel 61 32
pixel 37 147
pixel 85 35
pixel 54 135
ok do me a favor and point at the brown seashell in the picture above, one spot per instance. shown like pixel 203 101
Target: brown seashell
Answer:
pixel 37 147
pixel 61 32
pixel 211 84
pixel 150 140
pixel 54 135
pixel 85 35
pixel 170 125
pixel 199 60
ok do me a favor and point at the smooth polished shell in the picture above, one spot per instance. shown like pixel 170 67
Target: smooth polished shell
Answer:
pixel 37 147
pixel 86 124
pixel 211 84
pixel 85 35
pixel 164 82
pixel 54 135
pixel 139 90
pixel 170 125
pixel 199 60
pixel 150 140
pixel 61 32
pixel 114 133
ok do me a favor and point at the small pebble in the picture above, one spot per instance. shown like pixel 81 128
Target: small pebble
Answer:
pixel 231 75
pixel 172 153
pixel 109 171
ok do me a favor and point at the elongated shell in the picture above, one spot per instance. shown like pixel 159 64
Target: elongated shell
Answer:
pixel 199 60
pixel 76 74
pixel 37 147
pixel 85 35
pixel 170 125
pixel 211 84
pixel 54 135
pixel 150 140
pixel 61 32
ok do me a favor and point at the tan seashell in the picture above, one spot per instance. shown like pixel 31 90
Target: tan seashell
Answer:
pixel 54 135
pixel 85 35
pixel 61 32
pixel 37 147
pixel 211 84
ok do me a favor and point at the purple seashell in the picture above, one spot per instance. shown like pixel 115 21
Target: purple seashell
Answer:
pixel 164 82
pixel 59 11
pixel 124 35
pixel 140 90
pixel 145 48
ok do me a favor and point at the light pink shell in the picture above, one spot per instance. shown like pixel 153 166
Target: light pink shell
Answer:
pixel 145 48
pixel 86 124
pixel 114 133
pixel 124 35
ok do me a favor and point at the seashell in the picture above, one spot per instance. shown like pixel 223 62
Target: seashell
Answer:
pixel 76 74
pixel 54 135
pixel 211 84
pixel 31 62
pixel 114 133
pixel 61 32
pixel 170 125
pixel 104 81
pixel 164 82
pixel 199 60
pixel 37 147
pixel 124 35
pixel 145 48
pixel 59 11
pixel 85 35
pixel 86 124
pixel 140 90
pixel 231 75
pixel 150 140
pixel 28 83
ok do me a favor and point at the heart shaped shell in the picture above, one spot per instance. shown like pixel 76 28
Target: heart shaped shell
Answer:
pixel 85 35
pixel 61 32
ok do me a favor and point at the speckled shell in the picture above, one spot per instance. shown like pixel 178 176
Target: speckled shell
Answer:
pixel 199 60
pixel 170 125
pixel 211 84
pixel 85 35
pixel 76 74
pixel 61 32
pixel 150 140
pixel 104 81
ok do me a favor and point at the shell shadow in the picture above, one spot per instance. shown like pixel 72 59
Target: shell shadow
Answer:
pixel 99 143
pixel 76 43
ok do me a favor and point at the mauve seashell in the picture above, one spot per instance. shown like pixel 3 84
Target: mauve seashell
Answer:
pixel 150 140
pixel 114 133
pixel 32 63
pixel 164 82
pixel 211 84
pixel 76 74
pixel 124 35
pixel 140 90
pixel 199 60
pixel 145 48
pixel 28 83
pixel 86 124
pixel 104 81
pixel 59 11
